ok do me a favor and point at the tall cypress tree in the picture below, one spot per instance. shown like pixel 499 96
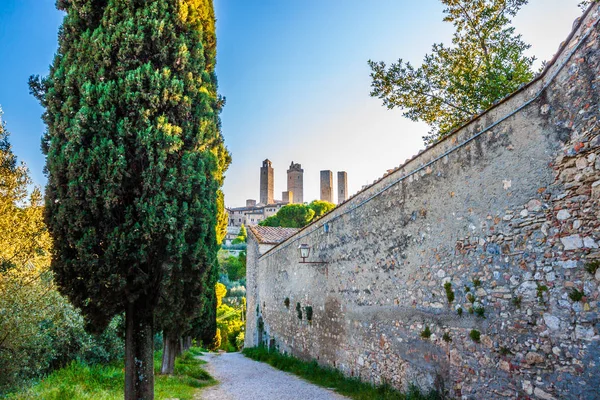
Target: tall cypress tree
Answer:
pixel 132 144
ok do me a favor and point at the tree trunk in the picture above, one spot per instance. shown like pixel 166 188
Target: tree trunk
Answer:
pixel 169 353
pixel 187 344
pixel 139 349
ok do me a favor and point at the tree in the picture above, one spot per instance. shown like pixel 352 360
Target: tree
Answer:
pixel 242 236
pixel 298 215
pixel 39 329
pixel 320 207
pixel 132 146
pixel 484 64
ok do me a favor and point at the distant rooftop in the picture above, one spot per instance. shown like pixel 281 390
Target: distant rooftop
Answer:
pixel 271 235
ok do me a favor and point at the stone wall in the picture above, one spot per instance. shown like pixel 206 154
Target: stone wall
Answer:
pixel 505 210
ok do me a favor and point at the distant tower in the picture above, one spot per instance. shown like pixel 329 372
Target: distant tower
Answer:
pixel 295 183
pixel 342 186
pixel 266 183
pixel 327 186
pixel 287 197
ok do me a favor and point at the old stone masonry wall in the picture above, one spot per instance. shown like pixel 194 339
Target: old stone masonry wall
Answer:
pixel 471 267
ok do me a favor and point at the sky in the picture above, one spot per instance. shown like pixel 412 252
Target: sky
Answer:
pixel 295 77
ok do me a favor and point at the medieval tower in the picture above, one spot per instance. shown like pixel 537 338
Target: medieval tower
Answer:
pixel 327 186
pixel 295 183
pixel 342 183
pixel 267 183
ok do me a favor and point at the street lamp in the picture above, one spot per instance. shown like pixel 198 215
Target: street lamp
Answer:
pixel 305 252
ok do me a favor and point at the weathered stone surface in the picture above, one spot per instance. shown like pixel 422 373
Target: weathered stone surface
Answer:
pixel 540 394
pixel 572 242
pixel 551 321
pixel 562 215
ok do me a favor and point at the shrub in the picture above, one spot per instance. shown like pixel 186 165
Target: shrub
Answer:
pixel 309 313
pixel 576 295
pixel 447 338
pixel 592 266
pixel 475 335
pixel 476 282
pixel 299 310
pixel 516 301
pixel 459 311
pixel 449 292
pixel 471 298
pixel 286 302
pixel 426 333
pixel 480 311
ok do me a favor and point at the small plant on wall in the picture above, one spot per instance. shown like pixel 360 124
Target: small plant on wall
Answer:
pixel 309 313
pixel 299 310
pixel 286 302
pixel 449 292
pixel 426 333
pixel 576 295
pixel 592 267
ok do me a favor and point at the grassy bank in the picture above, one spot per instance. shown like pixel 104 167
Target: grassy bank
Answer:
pixel 332 378
pixel 106 382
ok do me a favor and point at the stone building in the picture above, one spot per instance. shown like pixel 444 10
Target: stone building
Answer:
pixel 327 186
pixel 342 184
pixel 267 183
pixel 295 183
pixel 471 268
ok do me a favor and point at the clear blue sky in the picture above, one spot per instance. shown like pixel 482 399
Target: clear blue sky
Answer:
pixel 295 76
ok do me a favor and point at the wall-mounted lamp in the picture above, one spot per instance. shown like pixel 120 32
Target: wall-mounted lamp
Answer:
pixel 305 252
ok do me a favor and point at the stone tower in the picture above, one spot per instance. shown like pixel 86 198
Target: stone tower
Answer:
pixel 327 186
pixel 342 179
pixel 295 183
pixel 267 183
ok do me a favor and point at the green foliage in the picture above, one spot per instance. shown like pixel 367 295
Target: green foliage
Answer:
pixel 541 289
pixel 334 379
pixel 576 295
pixel 230 323
pixel 242 236
pixel 234 267
pixel 299 311
pixel 479 311
pixel 504 351
pixel 471 298
pixel 446 337
pixel 476 282
pixel 91 382
pixel 298 215
pixel 220 291
pixel 485 63
pixel 426 333
pixel 320 207
pixel 475 335
pixel 286 302
pixel 39 330
pixel 592 267
pixel 449 292
pixel 135 159
pixel 459 311
pixel 309 313
pixel 516 301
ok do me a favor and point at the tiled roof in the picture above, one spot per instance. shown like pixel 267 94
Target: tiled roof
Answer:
pixel 271 235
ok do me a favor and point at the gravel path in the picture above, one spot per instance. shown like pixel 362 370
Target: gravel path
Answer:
pixel 241 378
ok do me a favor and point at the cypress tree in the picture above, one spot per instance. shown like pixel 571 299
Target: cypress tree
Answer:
pixel 134 160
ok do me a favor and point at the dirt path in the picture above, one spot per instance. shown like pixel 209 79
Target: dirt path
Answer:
pixel 241 378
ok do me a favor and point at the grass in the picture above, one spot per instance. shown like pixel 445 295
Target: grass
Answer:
pixel 334 379
pixel 78 381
